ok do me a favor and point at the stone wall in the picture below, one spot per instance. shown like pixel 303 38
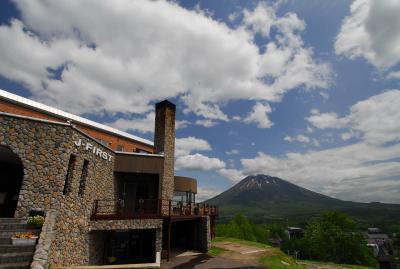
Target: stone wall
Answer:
pixel 204 242
pixel 43 148
pixel 47 235
pixel 164 142
pixel 73 223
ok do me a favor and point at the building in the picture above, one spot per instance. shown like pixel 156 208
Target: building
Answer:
pixel 109 196
pixel 294 232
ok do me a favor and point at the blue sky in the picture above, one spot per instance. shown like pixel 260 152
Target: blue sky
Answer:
pixel 304 90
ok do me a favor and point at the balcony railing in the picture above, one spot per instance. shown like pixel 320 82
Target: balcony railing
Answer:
pixel 188 209
pixel 148 208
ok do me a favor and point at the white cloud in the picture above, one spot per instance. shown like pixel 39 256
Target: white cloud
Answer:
pixel 299 138
pixel 141 125
pixel 346 136
pixel 232 174
pixel 394 75
pixel 206 193
pixel 371 31
pixel 261 19
pixel 367 170
pixel 206 123
pixel 187 145
pixel 327 120
pixel 232 152
pixel 198 162
pixel 348 172
pixel 128 54
pixel 180 124
pixel 259 115
pixel 374 120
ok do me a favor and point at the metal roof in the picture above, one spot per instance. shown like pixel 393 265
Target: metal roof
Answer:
pixel 68 116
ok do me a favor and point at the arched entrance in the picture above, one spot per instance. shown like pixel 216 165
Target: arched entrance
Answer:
pixel 11 175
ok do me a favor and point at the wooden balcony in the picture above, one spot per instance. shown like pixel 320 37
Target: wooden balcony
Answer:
pixel 148 208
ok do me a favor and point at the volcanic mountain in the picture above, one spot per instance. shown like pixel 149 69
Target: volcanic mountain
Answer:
pixel 264 198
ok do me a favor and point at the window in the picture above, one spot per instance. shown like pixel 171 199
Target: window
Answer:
pixel 103 142
pixel 142 151
pixel 120 148
pixel 186 197
pixel 69 176
pixel 82 182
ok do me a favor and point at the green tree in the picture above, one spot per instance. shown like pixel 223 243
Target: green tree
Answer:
pixel 335 238
pixel 239 227
pixel 244 226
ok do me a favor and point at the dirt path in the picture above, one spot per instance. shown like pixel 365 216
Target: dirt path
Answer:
pixel 241 252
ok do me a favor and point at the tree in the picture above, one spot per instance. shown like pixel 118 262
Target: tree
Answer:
pixel 335 238
pixel 239 227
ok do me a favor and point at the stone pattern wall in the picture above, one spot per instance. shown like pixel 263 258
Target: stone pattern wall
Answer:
pixel 44 150
pixel 164 141
pixel 47 235
pixel 204 242
pixel 125 224
pixel 73 223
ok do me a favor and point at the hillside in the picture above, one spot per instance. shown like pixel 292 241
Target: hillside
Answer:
pixel 264 199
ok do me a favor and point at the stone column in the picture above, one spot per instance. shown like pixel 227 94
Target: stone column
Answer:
pixel 204 234
pixel 164 143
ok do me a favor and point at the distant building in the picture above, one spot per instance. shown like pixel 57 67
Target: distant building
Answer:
pixel 376 236
pixel 294 232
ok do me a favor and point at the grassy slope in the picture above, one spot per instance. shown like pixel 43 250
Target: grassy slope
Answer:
pixel 276 259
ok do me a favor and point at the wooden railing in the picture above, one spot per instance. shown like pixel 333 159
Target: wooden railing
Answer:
pixel 148 208
pixel 119 209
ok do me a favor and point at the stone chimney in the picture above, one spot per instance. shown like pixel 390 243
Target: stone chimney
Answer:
pixel 164 143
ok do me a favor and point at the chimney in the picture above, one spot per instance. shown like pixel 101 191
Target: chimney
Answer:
pixel 164 143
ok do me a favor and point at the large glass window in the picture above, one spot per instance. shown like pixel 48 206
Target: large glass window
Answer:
pixel 185 197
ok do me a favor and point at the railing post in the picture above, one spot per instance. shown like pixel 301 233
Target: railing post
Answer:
pixel 169 208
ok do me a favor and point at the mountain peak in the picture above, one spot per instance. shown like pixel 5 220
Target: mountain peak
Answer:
pixel 258 182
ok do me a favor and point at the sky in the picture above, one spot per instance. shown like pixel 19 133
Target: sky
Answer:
pixel 308 91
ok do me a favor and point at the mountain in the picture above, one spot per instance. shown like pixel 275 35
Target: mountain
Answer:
pixel 264 198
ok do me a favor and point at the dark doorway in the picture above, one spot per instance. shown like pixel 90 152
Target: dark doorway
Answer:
pixel 133 246
pixel 11 175
pixel 139 193
pixel 184 234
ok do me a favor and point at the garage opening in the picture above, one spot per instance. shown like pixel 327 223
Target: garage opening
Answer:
pixel 184 235
pixel 11 176
pixel 123 247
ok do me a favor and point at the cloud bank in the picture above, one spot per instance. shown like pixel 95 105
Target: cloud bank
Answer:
pixel 128 54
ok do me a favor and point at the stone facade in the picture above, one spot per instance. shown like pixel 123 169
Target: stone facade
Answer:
pixel 204 236
pixel 164 142
pixel 47 235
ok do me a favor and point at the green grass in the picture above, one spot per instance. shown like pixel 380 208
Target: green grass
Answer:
pixel 216 251
pixel 276 259
pixel 244 242
pixel 280 261
pixel 349 266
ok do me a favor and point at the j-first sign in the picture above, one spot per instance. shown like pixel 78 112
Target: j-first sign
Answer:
pixel 97 151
